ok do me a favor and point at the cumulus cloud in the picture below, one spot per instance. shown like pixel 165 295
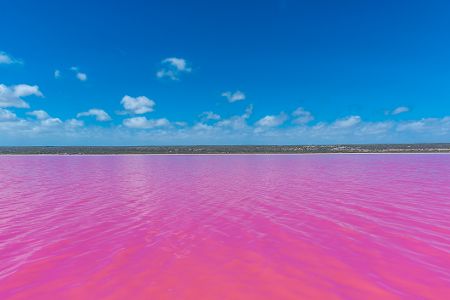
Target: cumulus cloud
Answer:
pixel 233 97
pixel 347 122
pixel 23 90
pixel 11 96
pixel 79 75
pixel 426 127
pixel 233 123
pixel 140 130
pixel 99 114
pixel 376 127
pixel 51 122
pixel 272 120
pixel 144 123
pixel 74 123
pixel 8 59
pixel 400 110
pixel 302 116
pixel 417 126
pixel 209 115
pixel 178 63
pixel 138 105
pixel 238 122
pixel 7 115
pixel 57 74
pixel 39 114
pixel 173 67
pixel 202 127
pixel 44 118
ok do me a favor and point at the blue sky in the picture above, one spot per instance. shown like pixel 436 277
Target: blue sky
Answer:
pixel 224 72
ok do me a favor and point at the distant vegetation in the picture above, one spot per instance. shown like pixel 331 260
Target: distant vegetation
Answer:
pixel 376 148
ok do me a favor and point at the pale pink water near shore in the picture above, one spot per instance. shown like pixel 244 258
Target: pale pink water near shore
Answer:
pixel 225 227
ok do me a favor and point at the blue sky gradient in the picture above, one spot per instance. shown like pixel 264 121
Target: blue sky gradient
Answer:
pixel 224 72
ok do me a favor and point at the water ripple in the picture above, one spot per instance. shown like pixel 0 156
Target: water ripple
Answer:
pixel 225 227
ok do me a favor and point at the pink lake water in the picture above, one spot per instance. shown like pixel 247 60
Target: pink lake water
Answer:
pixel 225 227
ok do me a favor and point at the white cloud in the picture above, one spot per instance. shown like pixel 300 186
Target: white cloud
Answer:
pixel 23 90
pixel 202 127
pixel 272 120
pixel 57 74
pixel 209 115
pixel 51 122
pixel 178 63
pixel 427 127
pixel 79 75
pixel 74 123
pixel 248 111
pixel 181 124
pixel 5 58
pixel 302 116
pixel 347 122
pixel 233 97
pixel 376 127
pixel 39 114
pixel 7 115
pixel 173 67
pixel 144 123
pixel 44 118
pixel 8 59
pixel 99 114
pixel 234 130
pixel 399 110
pixel 138 105
pixel 11 96
pixel 414 125
pixel 236 122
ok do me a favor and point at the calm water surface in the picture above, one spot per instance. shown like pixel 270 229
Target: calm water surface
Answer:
pixel 225 227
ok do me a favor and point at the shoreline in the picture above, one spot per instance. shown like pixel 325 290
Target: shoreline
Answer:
pixel 441 148
pixel 226 154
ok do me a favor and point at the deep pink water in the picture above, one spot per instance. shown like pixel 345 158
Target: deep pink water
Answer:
pixel 225 227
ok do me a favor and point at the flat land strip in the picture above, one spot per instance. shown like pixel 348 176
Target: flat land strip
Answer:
pixel 230 149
